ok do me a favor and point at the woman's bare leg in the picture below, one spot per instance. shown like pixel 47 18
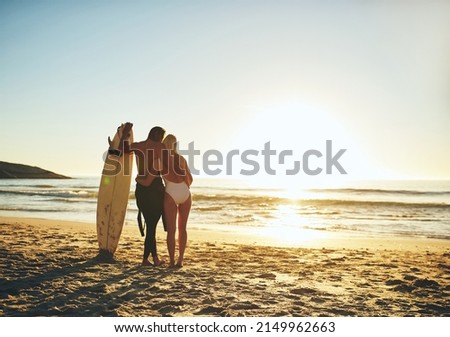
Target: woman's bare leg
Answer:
pixel 183 215
pixel 170 214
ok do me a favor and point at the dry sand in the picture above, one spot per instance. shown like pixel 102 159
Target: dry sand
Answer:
pixel 48 268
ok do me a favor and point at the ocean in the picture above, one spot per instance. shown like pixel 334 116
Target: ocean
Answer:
pixel 369 209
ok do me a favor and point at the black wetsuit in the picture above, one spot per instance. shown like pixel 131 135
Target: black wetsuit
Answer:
pixel 150 201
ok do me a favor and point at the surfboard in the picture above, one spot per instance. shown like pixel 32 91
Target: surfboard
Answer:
pixel 113 194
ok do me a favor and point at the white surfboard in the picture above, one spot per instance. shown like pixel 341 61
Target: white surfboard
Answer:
pixel 113 195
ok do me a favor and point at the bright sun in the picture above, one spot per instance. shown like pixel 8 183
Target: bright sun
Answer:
pixel 296 128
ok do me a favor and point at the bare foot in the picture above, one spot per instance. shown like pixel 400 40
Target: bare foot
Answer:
pixel 146 263
pixel 158 262
pixel 179 264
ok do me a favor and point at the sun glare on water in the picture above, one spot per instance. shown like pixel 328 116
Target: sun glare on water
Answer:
pixel 290 228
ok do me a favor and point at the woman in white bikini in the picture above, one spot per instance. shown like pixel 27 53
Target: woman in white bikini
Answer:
pixel 177 199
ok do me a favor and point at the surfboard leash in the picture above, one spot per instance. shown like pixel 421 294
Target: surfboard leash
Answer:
pixel 140 224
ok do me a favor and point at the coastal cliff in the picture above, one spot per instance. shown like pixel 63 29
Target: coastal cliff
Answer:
pixel 20 171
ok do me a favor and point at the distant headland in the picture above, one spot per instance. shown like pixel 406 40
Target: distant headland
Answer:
pixel 20 171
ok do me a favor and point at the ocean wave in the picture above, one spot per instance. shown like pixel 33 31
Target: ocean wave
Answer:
pixel 380 191
pixel 52 193
pixel 208 208
pixel 268 201
pixel 31 209
pixel 375 203
pixel 404 210
pixel 73 200
pixel 219 200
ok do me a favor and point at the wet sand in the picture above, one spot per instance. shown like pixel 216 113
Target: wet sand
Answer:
pixel 49 268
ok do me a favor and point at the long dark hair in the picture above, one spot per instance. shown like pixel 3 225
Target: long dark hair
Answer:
pixel 156 134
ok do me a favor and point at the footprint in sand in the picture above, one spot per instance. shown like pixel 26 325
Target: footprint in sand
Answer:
pixel 244 306
pixel 303 291
pixel 426 283
pixel 394 282
pixel 210 310
pixel 267 276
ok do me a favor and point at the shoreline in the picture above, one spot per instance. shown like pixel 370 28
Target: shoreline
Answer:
pixel 49 269
pixel 310 239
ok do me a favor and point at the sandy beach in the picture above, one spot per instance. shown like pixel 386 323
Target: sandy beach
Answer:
pixel 48 268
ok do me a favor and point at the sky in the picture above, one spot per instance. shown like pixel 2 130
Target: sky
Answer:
pixel 371 76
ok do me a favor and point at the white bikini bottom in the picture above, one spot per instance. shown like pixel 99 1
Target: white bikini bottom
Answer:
pixel 178 191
